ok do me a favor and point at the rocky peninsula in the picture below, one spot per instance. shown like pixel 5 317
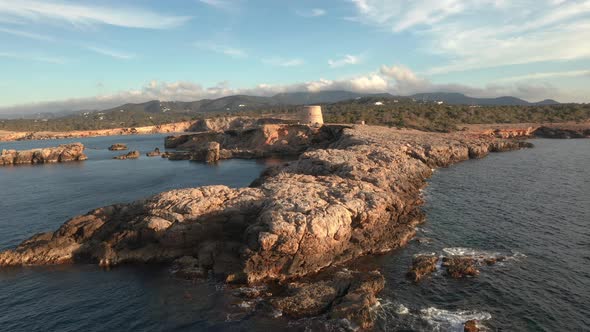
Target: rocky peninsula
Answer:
pixel 353 191
pixel 59 154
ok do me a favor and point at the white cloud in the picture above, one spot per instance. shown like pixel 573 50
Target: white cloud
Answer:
pixel 397 80
pixel 222 4
pixel 221 48
pixel 345 60
pixel 85 14
pixel 283 62
pixel 309 13
pixel 111 53
pixel 36 58
pixel 545 75
pixel 26 34
pixel 486 33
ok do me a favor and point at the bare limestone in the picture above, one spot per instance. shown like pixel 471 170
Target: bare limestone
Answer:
pixel 359 194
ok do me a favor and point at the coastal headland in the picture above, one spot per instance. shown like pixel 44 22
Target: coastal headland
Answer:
pixel 504 130
pixel 353 191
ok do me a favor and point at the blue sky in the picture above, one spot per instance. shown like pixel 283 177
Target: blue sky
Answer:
pixel 58 54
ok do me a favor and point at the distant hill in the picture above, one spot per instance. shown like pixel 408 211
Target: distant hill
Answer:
pixel 461 99
pixel 238 103
pixel 244 103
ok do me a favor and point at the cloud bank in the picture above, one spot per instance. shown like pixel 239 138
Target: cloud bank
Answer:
pixel 479 34
pixel 49 11
pixel 397 80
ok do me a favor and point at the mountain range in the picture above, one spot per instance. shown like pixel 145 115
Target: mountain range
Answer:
pixel 237 103
pixel 243 102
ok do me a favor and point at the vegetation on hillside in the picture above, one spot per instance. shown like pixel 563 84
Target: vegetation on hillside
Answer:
pixel 389 111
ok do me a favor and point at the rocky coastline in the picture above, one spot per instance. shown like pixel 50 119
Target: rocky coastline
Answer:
pixel 201 125
pixel 59 154
pixel 564 130
pixel 353 191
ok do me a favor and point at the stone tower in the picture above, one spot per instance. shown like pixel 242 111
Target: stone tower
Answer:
pixel 312 115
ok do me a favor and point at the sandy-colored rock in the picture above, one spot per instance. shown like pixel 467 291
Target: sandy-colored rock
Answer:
pixel 155 153
pixel 354 192
pixel 62 153
pixel 118 147
pixel 131 155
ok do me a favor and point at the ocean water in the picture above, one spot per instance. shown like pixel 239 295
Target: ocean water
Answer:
pixel 531 205
pixel 39 198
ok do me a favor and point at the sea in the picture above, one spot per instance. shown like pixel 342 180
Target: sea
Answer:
pixel 532 206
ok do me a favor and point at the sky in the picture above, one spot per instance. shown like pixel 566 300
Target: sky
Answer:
pixel 69 55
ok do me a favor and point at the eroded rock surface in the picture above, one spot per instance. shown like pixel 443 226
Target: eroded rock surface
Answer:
pixel 60 154
pixel 422 265
pixel 131 155
pixel 346 295
pixel 118 147
pixel 356 193
pixel 155 153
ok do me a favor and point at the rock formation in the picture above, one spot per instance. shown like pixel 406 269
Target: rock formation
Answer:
pixel 131 155
pixel 454 265
pixel 62 153
pixel 155 153
pixel 118 147
pixel 470 326
pixel 177 127
pixel 221 124
pixel 563 132
pixel 422 265
pixel 259 142
pixel 356 193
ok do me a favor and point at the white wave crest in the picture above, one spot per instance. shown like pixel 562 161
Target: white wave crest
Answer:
pixel 446 320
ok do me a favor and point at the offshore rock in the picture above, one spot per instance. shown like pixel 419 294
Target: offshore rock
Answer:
pixel 207 152
pixel 62 153
pixel 422 265
pixel 118 147
pixel 470 326
pixel 462 266
pixel 131 155
pixel 155 153
pixel 345 295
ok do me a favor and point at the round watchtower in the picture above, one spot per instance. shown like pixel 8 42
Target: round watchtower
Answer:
pixel 312 115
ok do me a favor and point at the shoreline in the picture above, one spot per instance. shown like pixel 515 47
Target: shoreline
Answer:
pixel 358 195
pixel 499 130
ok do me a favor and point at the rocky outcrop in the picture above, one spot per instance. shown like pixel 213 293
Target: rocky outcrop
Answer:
pixel 563 132
pixel 177 127
pixel 60 154
pixel 355 193
pixel 258 142
pixel 455 265
pixel 155 153
pixel 131 155
pixel 422 265
pixel 345 294
pixel 118 147
pixel 471 326
pixel 221 124
pixel 459 267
